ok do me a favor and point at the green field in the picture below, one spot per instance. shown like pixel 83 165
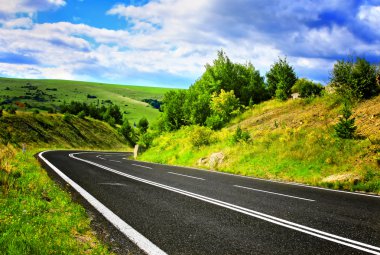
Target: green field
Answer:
pixel 56 92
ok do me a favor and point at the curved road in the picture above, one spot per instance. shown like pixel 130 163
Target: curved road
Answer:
pixel 175 210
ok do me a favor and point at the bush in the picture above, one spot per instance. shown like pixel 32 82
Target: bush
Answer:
pixel 146 140
pixel 11 109
pixel 345 128
pixel 307 88
pixel 200 136
pixel 240 136
pixel 67 117
pixel 355 80
pixel 82 114
pixel 1 112
pixel 143 125
pixel 214 122
pixel 36 111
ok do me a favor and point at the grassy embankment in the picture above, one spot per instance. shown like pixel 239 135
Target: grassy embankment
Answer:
pixel 37 216
pixel 291 141
pixel 129 98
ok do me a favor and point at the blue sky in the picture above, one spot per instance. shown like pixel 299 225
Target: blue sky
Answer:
pixel 168 42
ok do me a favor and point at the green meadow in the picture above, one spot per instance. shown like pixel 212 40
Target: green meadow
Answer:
pixel 56 92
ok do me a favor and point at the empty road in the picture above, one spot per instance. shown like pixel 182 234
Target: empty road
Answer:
pixel 176 210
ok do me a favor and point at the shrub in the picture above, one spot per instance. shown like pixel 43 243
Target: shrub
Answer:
pixel 307 88
pixel 128 132
pixel 200 136
pixel 1 112
pixel 354 80
pixel 82 114
pixel 146 140
pixel 214 122
pixel 11 109
pixel 345 128
pixel 36 111
pixel 240 136
pixel 67 117
pixel 143 125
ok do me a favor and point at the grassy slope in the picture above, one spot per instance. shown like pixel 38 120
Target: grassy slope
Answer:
pixel 78 91
pixel 36 216
pixel 291 141
pixel 51 130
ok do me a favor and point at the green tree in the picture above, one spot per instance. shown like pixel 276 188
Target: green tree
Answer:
pixel 354 79
pixel 128 132
pixel 280 79
pixel 307 88
pixel 173 110
pixel 224 105
pixel 143 125
pixel 82 114
pixel 345 128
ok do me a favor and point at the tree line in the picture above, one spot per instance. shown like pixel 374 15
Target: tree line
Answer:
pixel 226 88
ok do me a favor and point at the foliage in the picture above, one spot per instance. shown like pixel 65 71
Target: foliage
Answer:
pixel 11 109
pixel 200 136
pixel 280 79
pixel 215 122
pixel 225 105
pixel 240 136
pixel 146 139
pixel 345 128
pixel 37 217
pixel 82 114
pixel 1 112
pixel 173 113
pixel 127 131
pixel 354 80
pixel 143 125
pixel 307 88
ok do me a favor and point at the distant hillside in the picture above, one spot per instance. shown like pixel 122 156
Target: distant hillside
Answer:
pixel 44 94
pixel 56 131
pixel 291 141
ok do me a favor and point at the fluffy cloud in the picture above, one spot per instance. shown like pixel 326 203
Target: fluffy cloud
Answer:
pixel 169 41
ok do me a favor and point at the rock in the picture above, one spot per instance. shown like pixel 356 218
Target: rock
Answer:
pixel 351 177
pixel 202 161
pixel 215 160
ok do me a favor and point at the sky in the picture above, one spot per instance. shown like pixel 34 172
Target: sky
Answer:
pixel 168 42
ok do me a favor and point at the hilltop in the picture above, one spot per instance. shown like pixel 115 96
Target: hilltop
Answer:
pixel 29 94
pixel 291 141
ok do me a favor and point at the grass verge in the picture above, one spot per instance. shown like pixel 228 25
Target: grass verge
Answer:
pixel 290 141
pixel 36 216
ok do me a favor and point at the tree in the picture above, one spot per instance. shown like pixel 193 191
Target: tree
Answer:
pixel 173 113
pixel 128 132
pixel 1 112
pixel 280 79
pixel 345 128
pixel 354 79
pixel 143 125
pixel 307 88
pixel 223 107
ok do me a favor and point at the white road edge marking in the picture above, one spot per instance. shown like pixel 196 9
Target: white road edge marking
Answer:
pixel 278 221
pixel 142 166
pixel 189 176
pixel 115 160
pixel 141 241
pixel 274 193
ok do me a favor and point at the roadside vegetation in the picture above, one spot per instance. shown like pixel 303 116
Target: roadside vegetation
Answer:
pixel 328 136
pixel 37 216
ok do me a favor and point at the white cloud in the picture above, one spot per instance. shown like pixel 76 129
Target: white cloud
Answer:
pixel 370 15
pixel 28 6
pixel 25 23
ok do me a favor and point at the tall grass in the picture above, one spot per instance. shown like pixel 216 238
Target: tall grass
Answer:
pixel 36 216
pixel 291 141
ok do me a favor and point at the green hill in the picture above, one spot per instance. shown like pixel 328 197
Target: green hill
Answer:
pixel 292 141
pixel 56 131
pixel 44 94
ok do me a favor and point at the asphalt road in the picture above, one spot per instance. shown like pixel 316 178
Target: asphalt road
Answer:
pixel 189 211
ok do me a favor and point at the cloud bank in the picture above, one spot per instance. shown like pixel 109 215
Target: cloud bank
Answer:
pixel 168 42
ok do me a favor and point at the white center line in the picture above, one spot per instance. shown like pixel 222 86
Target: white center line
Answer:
pixel 189 176
pixel 115 161
pixel 142 166
pixel 279 194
